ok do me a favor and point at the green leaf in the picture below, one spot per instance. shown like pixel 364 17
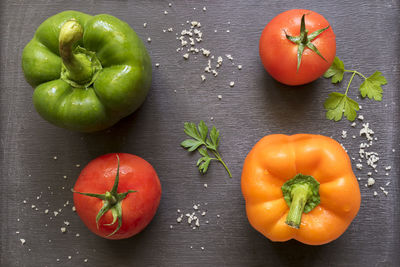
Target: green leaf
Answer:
pixel 203 130
pixel 371 87
pixel 191 130
pixel 191 144
pixel 213 142
pixel 210 140
pixel 338 104
pixel 200 160
pixel 203 152
pixel 204 166
pixel 336 71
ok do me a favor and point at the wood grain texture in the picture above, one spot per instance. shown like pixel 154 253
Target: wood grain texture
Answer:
pixel 367 39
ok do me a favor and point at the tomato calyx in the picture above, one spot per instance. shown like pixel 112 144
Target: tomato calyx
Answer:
pixel 305 40
pixel 112 200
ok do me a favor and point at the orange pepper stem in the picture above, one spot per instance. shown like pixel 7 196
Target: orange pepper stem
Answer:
pixel 301 194
pixel 299 199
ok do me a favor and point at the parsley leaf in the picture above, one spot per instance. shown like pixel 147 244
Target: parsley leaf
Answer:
pixel 336 71
pixel 371 87
pixel 338 104
pixel 203 144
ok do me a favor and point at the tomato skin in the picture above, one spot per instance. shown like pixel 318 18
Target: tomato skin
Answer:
pixel 279 55
pixel 138 208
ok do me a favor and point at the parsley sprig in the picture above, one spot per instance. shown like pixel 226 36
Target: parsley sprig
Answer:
pixel 205 144
pixel 338 104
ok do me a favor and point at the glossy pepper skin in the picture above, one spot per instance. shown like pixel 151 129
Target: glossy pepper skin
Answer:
pixel 275 160
pixel 88 71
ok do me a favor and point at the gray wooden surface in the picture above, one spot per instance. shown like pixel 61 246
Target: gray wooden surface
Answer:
pixel 367 39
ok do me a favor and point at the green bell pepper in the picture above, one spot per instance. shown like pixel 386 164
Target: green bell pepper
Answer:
pixel 88 71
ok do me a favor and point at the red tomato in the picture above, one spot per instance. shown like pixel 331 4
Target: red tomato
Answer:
pixel 137 208
pixel 279 54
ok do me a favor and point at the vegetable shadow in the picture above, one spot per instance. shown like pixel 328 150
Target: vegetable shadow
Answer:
pixel 294 253
pixel 130 250
pixel 124 136
pixel 291 105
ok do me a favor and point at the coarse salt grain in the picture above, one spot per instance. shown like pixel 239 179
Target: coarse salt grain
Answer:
pixel 371 181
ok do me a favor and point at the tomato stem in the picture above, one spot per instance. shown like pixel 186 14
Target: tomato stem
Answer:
pixel 305 40
pixel 112 201
pixel 111 198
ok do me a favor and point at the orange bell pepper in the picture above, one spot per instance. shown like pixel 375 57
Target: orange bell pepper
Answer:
pixel 300 187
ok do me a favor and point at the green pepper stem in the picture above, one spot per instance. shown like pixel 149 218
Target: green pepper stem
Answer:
pixel 300 195
pixel 78 65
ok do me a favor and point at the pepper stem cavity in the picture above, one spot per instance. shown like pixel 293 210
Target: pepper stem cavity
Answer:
pixel 301 194
pixel 305 40
pixel 112 201
pixel 79 64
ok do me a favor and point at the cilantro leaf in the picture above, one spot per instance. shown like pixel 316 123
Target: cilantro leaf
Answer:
pixel 204 144
pixel 338 104
pixel 371 87
pixel 336 71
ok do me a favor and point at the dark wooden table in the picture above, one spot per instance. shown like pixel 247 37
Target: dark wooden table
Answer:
pixel 367 40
